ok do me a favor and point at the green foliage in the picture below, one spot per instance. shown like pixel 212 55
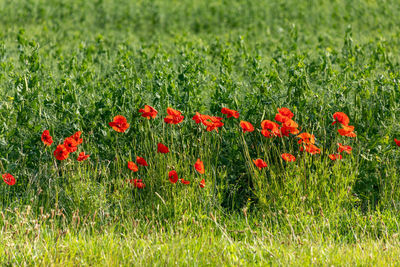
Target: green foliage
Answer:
pixel 73 65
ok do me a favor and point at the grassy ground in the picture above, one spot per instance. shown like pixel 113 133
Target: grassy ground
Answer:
pixel 73 65
pixel 202 240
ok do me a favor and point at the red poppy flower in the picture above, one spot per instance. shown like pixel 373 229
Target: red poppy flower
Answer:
pixel 284 115
pixel 306 138
pixel 288 127
pixel 174 116
pixel 246 126
pixel 212 123
pixel 77 138
pixel 141 161
pixel 82 156
pixel 285 112
pixel 260 163
pixel 8 179
pixel 230 113
pixel 335 156
pixel 70 144
pixel 285 131
pixel 346 149
pixel 347 131
pixel 198 117
pixel 61 152
pixel 148 112
pixel 183 181
pixel 269 128
pixel 279 117
pixel 288 157
pixel 46 138
pixel 310 148
pixel 119 124
pixel 397 142
pixel 173 176
pixel 341 118
pixel 138 183
pixel 270 125
pixel 266 133
pixel 290 124
pixel 202 183
pixel 132 166
pixel 162 148
pixel 199 166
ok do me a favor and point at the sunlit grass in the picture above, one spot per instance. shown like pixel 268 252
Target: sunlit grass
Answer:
pixel 74 65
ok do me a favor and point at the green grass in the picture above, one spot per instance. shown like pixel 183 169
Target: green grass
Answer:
pixel 74 65
pixel 199 240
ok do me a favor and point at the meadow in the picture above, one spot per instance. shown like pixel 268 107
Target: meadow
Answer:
pixel 73 66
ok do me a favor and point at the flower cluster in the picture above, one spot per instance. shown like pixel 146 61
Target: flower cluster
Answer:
pixel 174 116
pixel 148 112
pixel 134 167
pixel 346 130
pixel 343 119
pixel 283 127
pixel 70 145
pixel 288 126
pixel 199 166
pixel 230 113
pixel 211 122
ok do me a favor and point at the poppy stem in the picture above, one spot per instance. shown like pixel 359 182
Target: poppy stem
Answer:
pixel 2 168
pixel 305 178
pixel 151 132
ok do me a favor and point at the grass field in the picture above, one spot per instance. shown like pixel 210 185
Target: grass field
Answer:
pixel 68 66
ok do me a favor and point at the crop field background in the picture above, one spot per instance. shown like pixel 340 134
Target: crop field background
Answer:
pixel 68 66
